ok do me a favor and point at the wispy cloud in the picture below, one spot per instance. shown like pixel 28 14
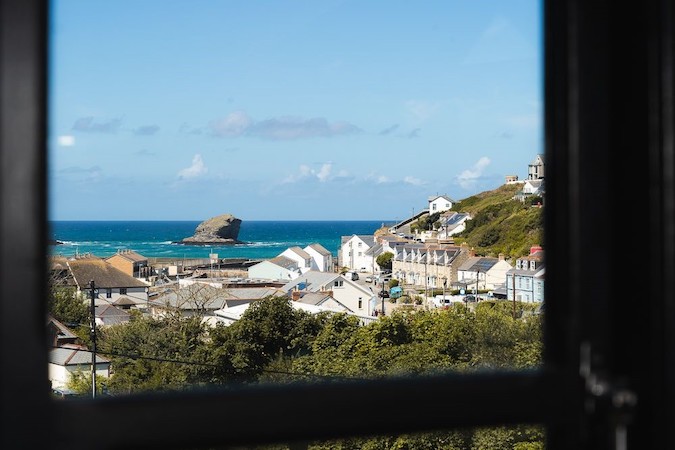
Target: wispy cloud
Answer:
pixel 377 178
pixel 88 125
pixel 146 130
pixel 413 181
pixel 281 128
pixel 468 178
pixel 414 133
pixel 145 152
pixel 90 174
pixel 195 170
pixel 388 130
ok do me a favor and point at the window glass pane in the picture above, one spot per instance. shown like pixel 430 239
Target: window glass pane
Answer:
pixel 212 168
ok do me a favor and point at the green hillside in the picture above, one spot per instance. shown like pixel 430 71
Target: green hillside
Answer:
pixel 500 224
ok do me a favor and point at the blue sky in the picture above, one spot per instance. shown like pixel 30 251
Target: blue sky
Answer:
pixel 287 110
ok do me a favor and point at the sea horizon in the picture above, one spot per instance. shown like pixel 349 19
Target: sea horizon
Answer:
pixel 262 239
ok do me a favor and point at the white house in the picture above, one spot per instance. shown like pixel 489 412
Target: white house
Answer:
pixel 300 256
pixel 483 273
pixel 440 203
pixel 322 259
pixel 278 268
pixel 452 223
pixel 358 299
pixel 353 252
pixel 71 358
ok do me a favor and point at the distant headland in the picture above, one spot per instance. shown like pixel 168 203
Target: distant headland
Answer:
pixel 219 230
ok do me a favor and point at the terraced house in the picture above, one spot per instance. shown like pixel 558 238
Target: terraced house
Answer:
pixel 429 264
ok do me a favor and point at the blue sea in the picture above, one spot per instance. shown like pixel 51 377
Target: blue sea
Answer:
pixel 263 239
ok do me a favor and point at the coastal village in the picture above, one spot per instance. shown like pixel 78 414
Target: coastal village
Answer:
pixel 397 267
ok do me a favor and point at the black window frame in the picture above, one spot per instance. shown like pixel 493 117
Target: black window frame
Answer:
pixel 609 361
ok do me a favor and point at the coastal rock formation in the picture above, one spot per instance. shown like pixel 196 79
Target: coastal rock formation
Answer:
pixel 219 230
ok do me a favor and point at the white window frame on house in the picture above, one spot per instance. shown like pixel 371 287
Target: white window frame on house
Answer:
pixel 608 366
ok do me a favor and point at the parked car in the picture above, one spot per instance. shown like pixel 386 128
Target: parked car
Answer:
pixel 352 276
pixel 470 299
pixel 369 279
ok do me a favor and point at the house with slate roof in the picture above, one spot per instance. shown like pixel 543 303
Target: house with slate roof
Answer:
pixel 278 268
pixel 71 358
pixel 357 298
pixel 452 222
pixel 110 282
pixel 107 315
pixel 430 265
pixel 482 273
pixel 525 282
pixel 59 334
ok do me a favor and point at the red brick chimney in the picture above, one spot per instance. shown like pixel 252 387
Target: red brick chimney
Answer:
pixel 296 295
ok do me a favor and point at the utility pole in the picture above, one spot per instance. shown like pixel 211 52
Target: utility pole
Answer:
pixel 513 283
pixel 93 338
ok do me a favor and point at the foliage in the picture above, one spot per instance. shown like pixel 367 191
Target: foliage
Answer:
pixel 275 343
pixel 80 383
pixel 385 260
pixel 67 307
pixel 500 224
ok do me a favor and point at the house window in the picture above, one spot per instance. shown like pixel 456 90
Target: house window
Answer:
pixel 360 244
pixel 360 303
pixel 123 291
pixel 108 293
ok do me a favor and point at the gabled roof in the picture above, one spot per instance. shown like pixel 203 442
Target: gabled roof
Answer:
pixel 285 262
pixel 73 355
pixel 478 264
pixel 194 297
pixel 129 255
pixel 368 239
pixel 300 252
pixel 103 274
pixel 111 315
pixel 445 197
pixel 319 249
pixel 124 301
pixel 313 281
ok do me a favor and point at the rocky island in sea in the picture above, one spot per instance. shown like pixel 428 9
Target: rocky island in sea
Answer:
pixel 219 230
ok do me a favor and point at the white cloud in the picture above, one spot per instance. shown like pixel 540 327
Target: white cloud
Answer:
pixel 233 125
pixel 66 141
pixel 196 169
pixel 414 181
pixel 323 174
pixel 468 178
pixel 377 179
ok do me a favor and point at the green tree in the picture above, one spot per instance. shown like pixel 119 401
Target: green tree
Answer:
pixel 385 260
pixel 67 307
